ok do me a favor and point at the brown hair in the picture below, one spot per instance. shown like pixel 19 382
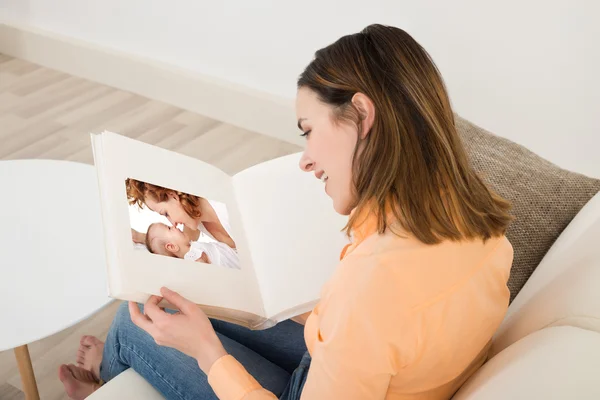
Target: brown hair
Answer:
pixel 138 192
pixel 412 160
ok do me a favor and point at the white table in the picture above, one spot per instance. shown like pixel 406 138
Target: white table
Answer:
pixel 52 256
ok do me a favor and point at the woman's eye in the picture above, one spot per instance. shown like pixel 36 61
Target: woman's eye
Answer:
pixel 305 134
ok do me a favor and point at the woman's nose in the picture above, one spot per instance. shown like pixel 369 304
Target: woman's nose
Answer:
pixel 306 164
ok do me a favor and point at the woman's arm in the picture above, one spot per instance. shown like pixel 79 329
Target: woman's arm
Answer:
pixel 351 366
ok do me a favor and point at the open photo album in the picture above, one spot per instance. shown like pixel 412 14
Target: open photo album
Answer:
pixel 253 249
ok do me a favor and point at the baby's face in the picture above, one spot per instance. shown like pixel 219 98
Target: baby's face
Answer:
pixel 170 234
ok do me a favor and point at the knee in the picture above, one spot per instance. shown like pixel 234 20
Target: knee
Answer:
pixel 123 313
pixel 122 326
pixel 122 317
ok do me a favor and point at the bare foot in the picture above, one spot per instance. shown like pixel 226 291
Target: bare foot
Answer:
pixel 78 382
pixel 89 355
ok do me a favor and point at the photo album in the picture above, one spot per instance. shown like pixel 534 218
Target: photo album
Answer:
pixel 254 248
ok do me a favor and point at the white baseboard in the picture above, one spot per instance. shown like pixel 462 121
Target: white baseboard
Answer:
pixel 230 103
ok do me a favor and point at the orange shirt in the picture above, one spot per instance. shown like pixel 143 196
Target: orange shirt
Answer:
pixel 398 320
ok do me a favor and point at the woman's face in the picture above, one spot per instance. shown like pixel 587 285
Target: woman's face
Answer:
pixel 172 210
pixel 329 148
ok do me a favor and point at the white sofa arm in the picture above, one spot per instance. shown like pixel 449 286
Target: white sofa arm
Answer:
pixel 563 289
pixel 554 363
pixel 127 386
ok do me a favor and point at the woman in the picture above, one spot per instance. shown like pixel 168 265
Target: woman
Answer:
pixel 418 294
pixel 194 213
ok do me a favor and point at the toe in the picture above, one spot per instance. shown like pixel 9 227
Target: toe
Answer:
pixel 75 371
pixel 81 374
pixel 81 353
pixel 63 372
pixel 90 341
pixel 78 383
pixel 82 350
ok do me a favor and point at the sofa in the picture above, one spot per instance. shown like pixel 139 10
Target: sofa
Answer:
pixel 548 346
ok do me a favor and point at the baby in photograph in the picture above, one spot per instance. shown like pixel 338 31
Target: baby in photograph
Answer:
pixel 170 241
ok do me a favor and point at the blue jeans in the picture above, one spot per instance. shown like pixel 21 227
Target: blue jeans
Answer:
pixel 275 357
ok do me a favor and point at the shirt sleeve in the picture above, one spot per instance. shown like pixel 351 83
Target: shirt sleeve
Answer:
pixel 363 338
pixel 335 373
pixel 360 344
pixel 230 381
pixel 349 365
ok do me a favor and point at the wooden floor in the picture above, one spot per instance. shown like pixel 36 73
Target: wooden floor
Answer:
pixel 49 114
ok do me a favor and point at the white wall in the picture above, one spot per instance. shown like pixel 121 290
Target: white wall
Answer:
pixel 525 69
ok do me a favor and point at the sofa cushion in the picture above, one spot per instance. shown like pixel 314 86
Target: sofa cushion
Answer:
pixel 563 290
pixel 545 198
pixel 128 385
pixel 554 363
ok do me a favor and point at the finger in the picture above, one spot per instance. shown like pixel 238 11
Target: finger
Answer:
pixel 152 310
pixel 152 300
pixel 139 319
pixel 176 299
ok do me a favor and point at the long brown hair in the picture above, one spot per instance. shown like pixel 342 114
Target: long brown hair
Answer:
pixel 138 192
pixel 412 160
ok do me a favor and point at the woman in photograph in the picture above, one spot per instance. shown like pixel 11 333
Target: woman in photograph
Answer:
pixel 412 307
pixel 196 214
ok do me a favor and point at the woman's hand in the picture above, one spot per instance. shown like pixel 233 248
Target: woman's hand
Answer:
pixel 188 331
pixel 138 237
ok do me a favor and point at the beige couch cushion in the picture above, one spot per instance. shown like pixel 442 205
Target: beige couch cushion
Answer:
pixel 554 363
pixel 128 385
pixel 564 289
pixel 545 197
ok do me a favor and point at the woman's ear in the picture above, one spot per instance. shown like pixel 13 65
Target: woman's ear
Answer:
pixel 366 112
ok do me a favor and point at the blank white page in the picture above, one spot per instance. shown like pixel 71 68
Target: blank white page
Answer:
pixel 292 229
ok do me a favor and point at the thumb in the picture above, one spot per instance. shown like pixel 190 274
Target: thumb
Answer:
pixel 176 299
